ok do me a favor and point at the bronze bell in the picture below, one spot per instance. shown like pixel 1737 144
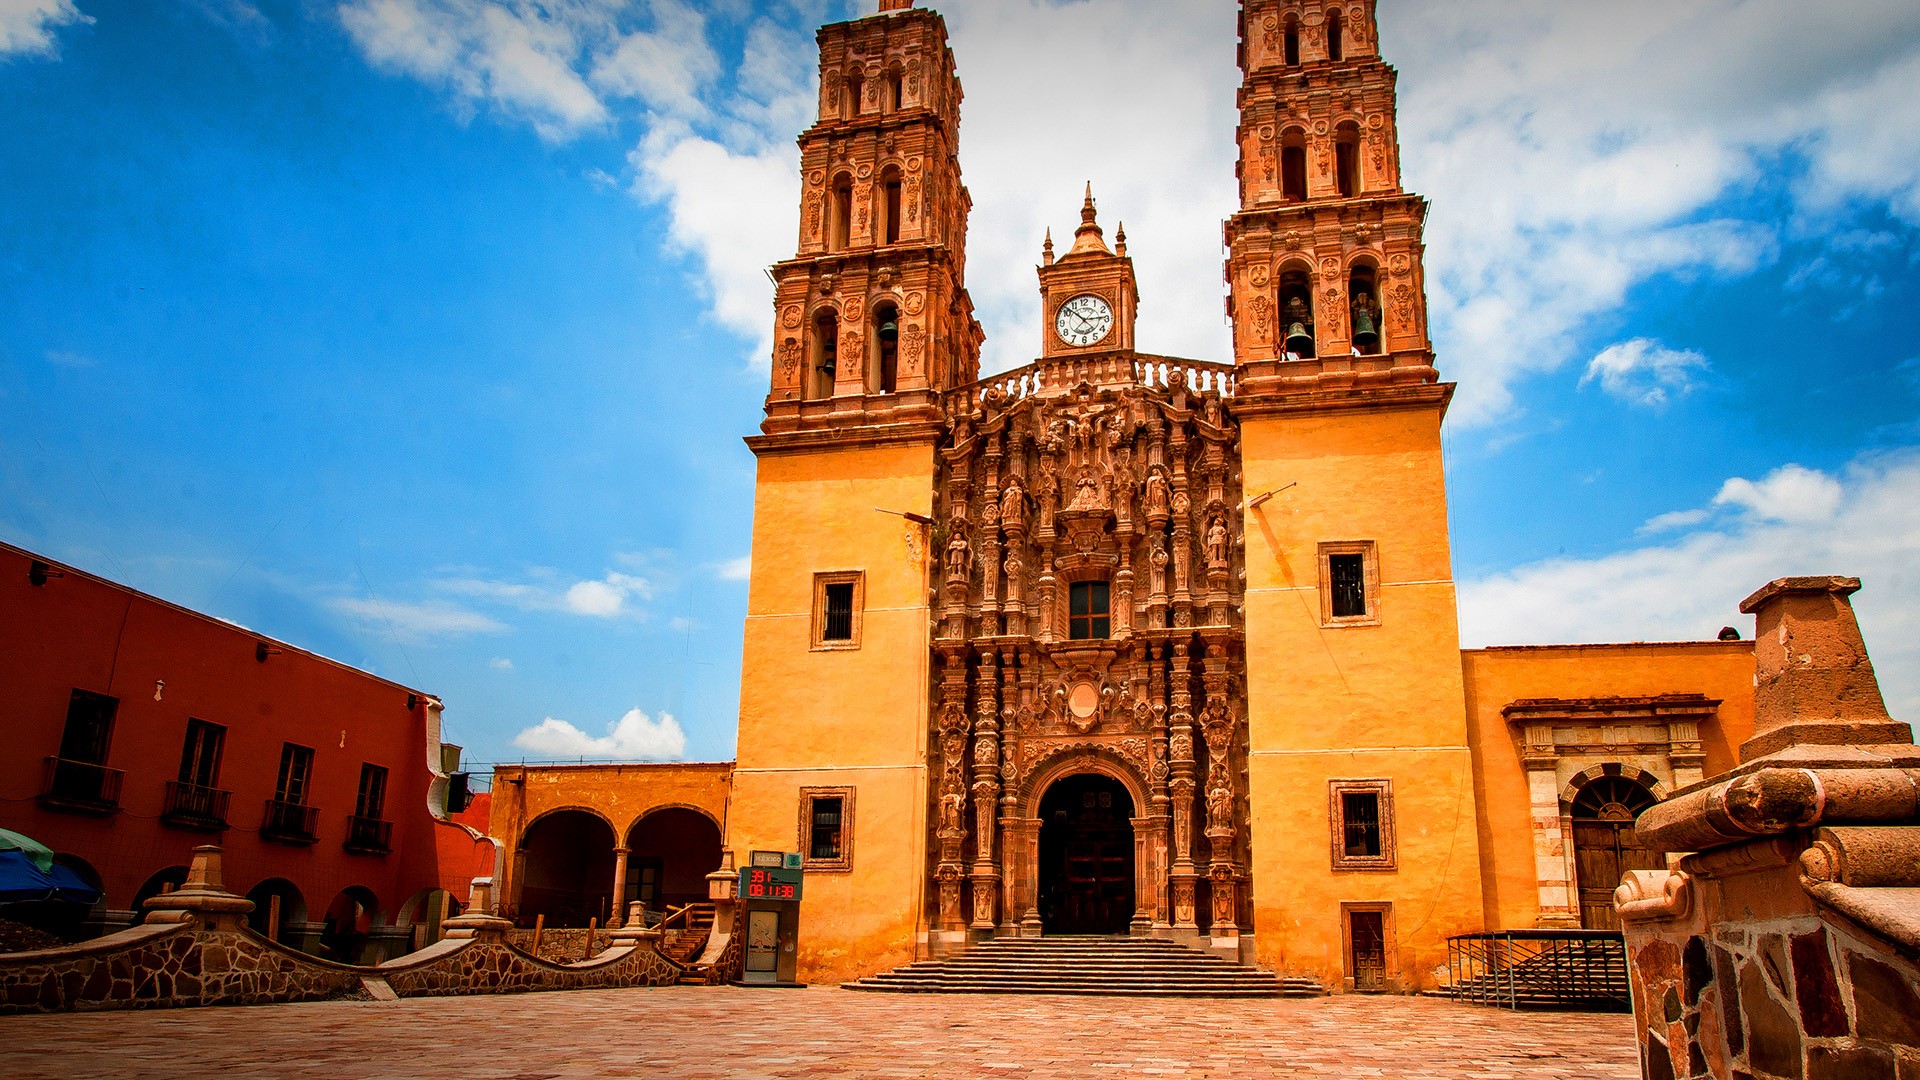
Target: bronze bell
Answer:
pixel 1299 342
pixel 1365 333
pixel 889 331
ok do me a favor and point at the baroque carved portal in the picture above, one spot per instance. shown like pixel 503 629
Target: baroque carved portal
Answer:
pixel 1088 646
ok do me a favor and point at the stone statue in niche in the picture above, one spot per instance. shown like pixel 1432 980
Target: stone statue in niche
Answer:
pixel 1157 493
pixel 1159 560
pixel 1219 805
pixel 1216 544
pixel 952 805
pixel 1013 506
pixel 1014 567
pixel 959 555
pixel 1180 746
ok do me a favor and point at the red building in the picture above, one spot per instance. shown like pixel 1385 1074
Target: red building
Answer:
pixel 138 729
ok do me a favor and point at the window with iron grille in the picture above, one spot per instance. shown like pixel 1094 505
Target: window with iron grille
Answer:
pixel 1361 813
pixel 1349 578
pixel 838 597
pixel 1088 611
pixel 826 828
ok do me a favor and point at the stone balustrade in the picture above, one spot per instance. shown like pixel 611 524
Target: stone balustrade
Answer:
pixel 195 948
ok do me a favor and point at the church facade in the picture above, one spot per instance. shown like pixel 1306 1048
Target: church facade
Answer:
pixel 1124 643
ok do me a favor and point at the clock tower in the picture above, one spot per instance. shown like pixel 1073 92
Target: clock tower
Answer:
pixel 1088 297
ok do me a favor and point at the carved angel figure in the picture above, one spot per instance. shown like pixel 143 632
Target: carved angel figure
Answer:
pixel 959 554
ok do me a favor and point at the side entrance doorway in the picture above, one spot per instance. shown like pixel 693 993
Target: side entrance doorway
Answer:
pixel 1086 856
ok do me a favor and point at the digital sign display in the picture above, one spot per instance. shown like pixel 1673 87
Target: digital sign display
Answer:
pixel 769 883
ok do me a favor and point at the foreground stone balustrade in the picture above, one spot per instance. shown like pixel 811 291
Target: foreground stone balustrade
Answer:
pixel 196 948
pixel 1786 944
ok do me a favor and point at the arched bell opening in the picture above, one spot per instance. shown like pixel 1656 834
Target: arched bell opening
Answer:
pixel 670 853
pixel 1293 165
pixel 1086 856
pixel 1604 844
pixel 1336 36
pixel 895 97
pixel 1346 159
pixel 1363 302
pixel 856 87
pixel 1296 314
pixel 1290 41
pixel 840 213
pixel 823 356
pixel 888 227
pixel 568 869
pixel 883 366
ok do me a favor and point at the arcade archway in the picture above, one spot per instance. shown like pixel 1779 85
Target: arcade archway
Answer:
pixel 1086 853
pixel 568 869
pixel 671 852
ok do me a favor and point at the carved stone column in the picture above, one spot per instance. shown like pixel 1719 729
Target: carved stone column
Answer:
pixel 1029 899
pixel 986 792
pixel 1552 831
pixel 1180 790
pixel 615 917
pixel 951 826
pixel 1216 719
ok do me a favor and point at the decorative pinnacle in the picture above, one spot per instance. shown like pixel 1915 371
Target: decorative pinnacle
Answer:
pixel 1120 239
pixel 1046 249
pixel 1088 236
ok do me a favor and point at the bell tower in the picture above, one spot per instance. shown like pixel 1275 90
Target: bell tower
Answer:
pixel 1354 679
pixel 872 325
pixel 872 315
pixel 1088 297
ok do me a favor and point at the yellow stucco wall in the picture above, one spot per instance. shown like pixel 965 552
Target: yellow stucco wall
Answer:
pixel 1360 702
pixel 1496 677
pixel 854 718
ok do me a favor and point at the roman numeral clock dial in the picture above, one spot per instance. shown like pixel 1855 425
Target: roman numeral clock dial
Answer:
pixel 1083 321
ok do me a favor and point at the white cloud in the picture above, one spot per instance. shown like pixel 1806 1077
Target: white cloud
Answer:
pixel 66 358
pixel 605 597
pixel 1572 151
pixel 415 622
pixel 26 26
pixel 1643 371
pixel 1790 493
pixel 740 569
pixel 633 737
pixel 500 663
pixel 1794 521
pixel 1677 519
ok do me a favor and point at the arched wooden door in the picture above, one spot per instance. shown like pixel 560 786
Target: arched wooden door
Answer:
pixel 1604 845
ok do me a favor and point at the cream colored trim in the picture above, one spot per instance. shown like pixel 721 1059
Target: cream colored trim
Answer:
pixel 1360 750
pixel 825 768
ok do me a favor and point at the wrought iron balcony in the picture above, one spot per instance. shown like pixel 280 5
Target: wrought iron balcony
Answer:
pixel 191 806
pixel 290 823
pixel 81 786
pixel 369 836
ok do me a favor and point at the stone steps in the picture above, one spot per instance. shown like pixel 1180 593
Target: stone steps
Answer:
pixel 1102 966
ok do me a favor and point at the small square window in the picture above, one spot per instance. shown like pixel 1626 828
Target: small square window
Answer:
pixel 1349 584
pixel 1088 611
pixel 826 828
pixel 1362 824
pixel 837 602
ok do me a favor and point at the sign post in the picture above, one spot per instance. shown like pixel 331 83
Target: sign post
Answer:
pixel 770 887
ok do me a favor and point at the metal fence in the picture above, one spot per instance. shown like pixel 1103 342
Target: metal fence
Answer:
pixel 1540 969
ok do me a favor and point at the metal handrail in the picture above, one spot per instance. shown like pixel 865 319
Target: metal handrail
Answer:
pixel 1512 968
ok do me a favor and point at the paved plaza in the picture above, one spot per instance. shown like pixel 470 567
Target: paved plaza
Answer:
pixel 725 1032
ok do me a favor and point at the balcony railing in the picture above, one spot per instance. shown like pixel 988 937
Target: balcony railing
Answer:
pixel 81 785
pixel 369 836
pixel 191 806
pixel 290 823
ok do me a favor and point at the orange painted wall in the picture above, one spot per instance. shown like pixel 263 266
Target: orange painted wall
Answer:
pixel 1498 676
pixel 78 631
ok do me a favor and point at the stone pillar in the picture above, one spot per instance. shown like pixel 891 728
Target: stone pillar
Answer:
pixel 1552 832
pixel 1030 925
pixel 986 794
pixel 203 897
pixel 618 910
pixel 1814 683
pixel 1180 790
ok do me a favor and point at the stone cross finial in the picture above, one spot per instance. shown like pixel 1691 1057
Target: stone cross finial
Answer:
pixel 1813 681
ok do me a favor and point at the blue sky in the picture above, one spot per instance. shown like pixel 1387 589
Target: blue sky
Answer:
pixel 423 333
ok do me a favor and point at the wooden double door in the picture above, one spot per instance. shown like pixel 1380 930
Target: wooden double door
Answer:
pixel 1086 857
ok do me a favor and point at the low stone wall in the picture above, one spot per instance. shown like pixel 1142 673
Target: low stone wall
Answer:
pixel 196 949
pixel 560 945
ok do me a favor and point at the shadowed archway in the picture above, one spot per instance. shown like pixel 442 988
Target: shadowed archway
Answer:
pixel 1086 856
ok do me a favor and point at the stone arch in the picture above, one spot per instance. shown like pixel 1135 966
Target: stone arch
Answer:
pixel 823 353
pixel 671 848
pixel 1363 276
pixel 1612 768
pixel 572 808
pixel 1077 758
pixel 1293 163
pixel 349 922
pixel 657 807
pixel 291 930
pixel 564 867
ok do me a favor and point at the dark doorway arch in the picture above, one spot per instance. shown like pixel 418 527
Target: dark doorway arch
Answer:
pixel 349 922
pixel 1605 847
pixel 1086 856
pixel 291 929
pixel 568 872
pixel 672 850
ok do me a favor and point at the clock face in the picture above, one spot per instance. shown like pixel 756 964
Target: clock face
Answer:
pixel 1083 320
